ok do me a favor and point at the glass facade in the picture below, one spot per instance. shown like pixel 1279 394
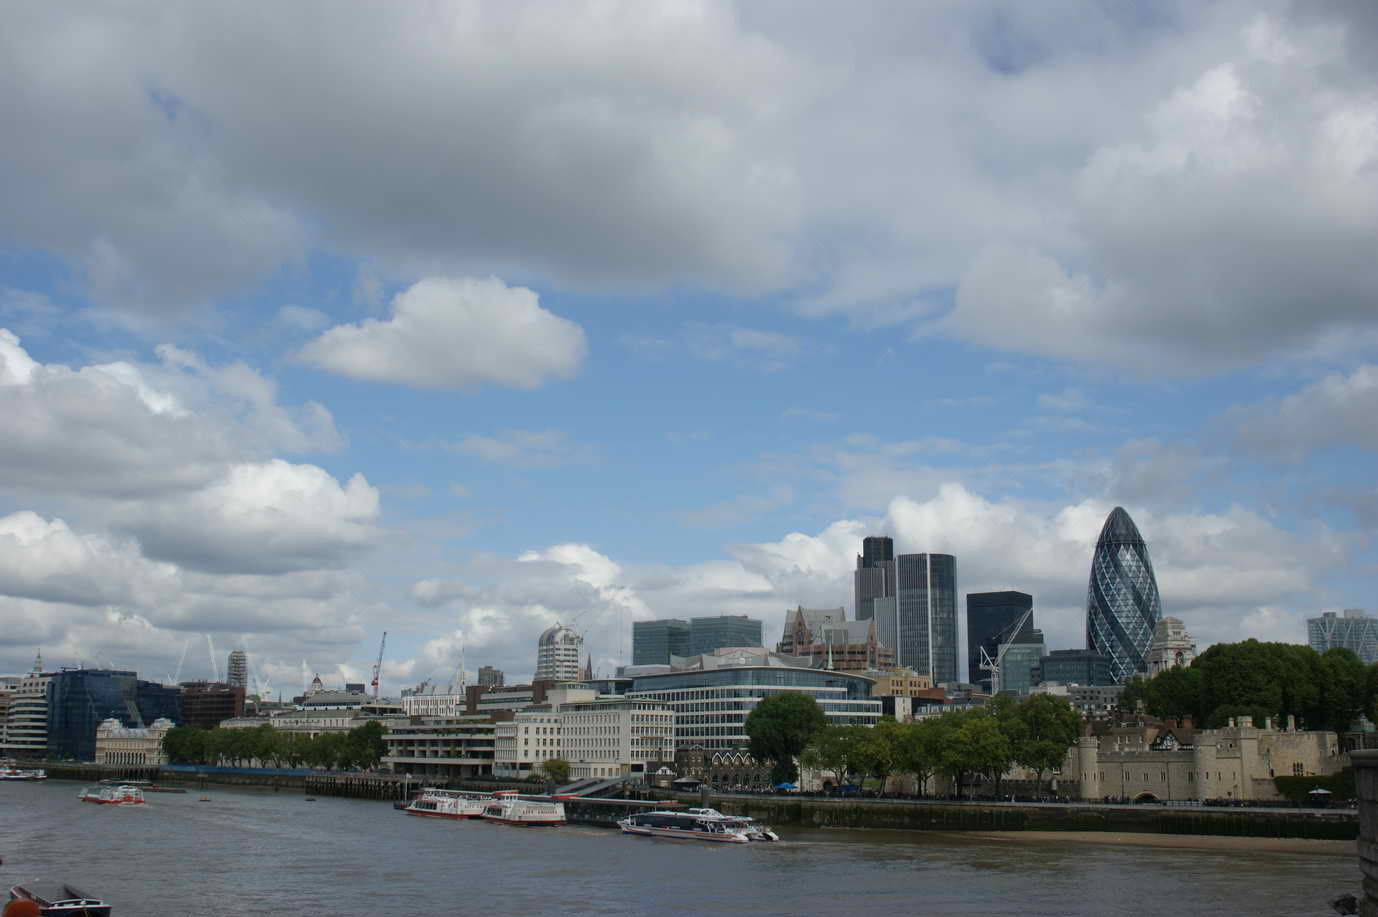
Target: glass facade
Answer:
pixel 1076 667
pixel 80 699
pixel 875 577
pixel 1354 631
pixel 709 634
pixel 1122 604
pixel 711 706
pixel 654 642
pixel 1019 666
pixel 926 614
pixel 991 617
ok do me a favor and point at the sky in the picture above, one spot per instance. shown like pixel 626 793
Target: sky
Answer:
pixel 455 320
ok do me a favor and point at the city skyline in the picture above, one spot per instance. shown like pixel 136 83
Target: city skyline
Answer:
pixel 695 311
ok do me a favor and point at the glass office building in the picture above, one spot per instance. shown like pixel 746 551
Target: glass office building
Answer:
pixel 80 699
pixel 1019 662
pixel 1076 667
pixel 1122 604
pixel 926 615
pixel 711 705
pixel 1354 631
pixel 709 634
pixel 993 619
pixel 654 642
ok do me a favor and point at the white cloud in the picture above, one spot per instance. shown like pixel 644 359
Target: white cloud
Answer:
pixel 302 317
pixel 120 429
pixel 524 448
pixel 455 333
pixel 1338 410
pixel 259 518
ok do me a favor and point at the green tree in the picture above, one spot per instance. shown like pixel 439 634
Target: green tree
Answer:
pixel 1048 727
pixel 919 746
pixel 878 750
pixel 366 746
pixel 556 770
pixel 780 727
pixel 834 748
pixel 978 746
pixel 1342 688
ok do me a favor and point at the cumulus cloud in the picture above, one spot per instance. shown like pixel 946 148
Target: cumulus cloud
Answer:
pixel 1047 164
pixel 1336 411
pixel 455 333
pixel 1253 179
pixel 121 429
pixel 259 518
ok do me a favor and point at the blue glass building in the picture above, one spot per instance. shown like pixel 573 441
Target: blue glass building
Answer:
pixel 926 615
pixel 80 699
pixel 1122 603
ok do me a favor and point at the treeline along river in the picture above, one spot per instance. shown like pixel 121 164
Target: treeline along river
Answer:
pixel 260 852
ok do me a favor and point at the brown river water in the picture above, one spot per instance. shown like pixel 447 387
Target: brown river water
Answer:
pixel 247 852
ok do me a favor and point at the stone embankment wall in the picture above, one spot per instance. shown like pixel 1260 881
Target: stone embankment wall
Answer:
pixel 940 816
pixel 1366 776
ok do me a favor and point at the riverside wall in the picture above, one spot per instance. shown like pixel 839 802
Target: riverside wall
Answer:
pixel 1366 776
pixel 923 815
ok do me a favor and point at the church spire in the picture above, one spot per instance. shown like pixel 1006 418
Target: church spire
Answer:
pixel 38 662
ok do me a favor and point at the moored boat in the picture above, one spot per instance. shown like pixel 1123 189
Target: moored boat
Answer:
pixel 14 773
pixel 438 803
pixel 510 809
pixel 66 902
pixel 683 826
pixel 113 795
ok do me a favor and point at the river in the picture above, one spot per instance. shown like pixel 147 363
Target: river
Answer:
pixel 252 852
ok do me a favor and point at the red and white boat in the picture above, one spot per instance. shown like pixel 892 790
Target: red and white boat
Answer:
pixel 113 795
pixel 508 808
pixel 437 803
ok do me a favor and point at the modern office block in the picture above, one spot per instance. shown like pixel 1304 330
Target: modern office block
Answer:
pixel 1353 631
pixel 993 618
pixel 1019 663
pixel 709 634
pixel 79 700
pixel 654 642
pixel 926 615
pixel 1122 604
pixel 557 654
pixel 1075 667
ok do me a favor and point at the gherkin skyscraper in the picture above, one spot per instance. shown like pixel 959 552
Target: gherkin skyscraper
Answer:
pixel 1122 602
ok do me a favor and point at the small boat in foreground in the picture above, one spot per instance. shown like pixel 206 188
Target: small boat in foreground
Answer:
pixel 682 826
pixel 68 903
pixel 113 795
pixel 438 803
pixel 508 808
pixel 753 830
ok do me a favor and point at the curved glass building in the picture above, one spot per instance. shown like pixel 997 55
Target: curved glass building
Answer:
pixel 1122 604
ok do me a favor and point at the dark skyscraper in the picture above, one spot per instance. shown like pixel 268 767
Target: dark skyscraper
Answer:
pixel 1122 603
pixel 875 587
pixel 991 617
pixel 926 615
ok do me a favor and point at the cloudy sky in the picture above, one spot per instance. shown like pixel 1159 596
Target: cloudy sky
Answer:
pixel 457 319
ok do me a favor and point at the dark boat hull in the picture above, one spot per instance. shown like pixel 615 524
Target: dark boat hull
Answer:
pixel 75 904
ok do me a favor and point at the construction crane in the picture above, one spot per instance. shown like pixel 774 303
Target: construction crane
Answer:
pixel 1003 641
pixel 378 666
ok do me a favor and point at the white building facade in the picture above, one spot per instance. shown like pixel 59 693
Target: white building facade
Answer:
pixel 120 746
pixel 25 729
pixel 1171 647
pixel 557 654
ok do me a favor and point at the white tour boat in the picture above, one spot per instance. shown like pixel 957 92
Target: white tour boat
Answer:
pixel 113 795
pixel 743 823
pixel 438 803
pixel 510 809
pixel 683 826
